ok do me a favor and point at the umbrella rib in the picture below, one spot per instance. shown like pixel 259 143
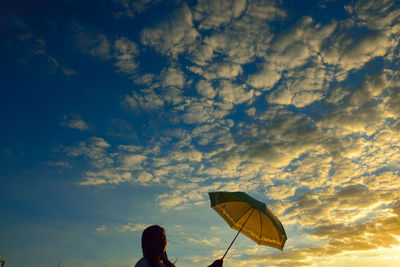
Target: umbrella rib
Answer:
pixel 242 216
pixel 259 240
pixel 239 230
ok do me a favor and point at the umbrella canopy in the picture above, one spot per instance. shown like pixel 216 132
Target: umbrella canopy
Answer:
pixel 249 216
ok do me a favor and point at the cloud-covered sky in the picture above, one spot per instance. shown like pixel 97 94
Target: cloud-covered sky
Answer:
pixel 119 114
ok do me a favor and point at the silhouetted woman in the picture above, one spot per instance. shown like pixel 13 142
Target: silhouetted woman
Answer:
pixel 154 244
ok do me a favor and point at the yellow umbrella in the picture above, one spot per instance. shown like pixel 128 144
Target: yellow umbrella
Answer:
pixel 250 217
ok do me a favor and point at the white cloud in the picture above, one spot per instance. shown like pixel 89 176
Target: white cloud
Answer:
pixel 94 150
pixel 172 95
pixel 304 32
pixel 122 51
pixel 265 9
pixel 213 133
pixel 222 70
pixel 281 192
pixel 131 227
pixel 144 178
pixel 302 87
pixel 239 42
pixel 105 176
pixel 133 162
pixel 234 93
pixel 75 121
pixel 198 112
pixel 205 89
pixel 101 228
pixel 350 53
pixel 213 14
pixel 213 242
pixel 201 56
pixel 266 78
pixel 125 53
pixel 174 35
pixel 291 50
pixel 242 33
pixel 191 155
pixel 375 15
pixel 173 77
pixel 147 100
pixel 60 163
pixel 361 112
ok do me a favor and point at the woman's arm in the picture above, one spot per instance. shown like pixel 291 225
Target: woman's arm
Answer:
pixel 217 263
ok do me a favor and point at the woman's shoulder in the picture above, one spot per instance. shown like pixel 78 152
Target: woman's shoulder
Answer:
pixel 142 263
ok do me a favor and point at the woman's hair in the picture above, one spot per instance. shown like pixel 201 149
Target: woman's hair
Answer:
pixel 150 234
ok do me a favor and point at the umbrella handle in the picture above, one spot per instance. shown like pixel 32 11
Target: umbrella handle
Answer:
pixel 237 234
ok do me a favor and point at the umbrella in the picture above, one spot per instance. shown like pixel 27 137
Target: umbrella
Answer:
pixel 250 217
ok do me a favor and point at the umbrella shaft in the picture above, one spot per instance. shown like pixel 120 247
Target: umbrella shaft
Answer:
pixel 238 233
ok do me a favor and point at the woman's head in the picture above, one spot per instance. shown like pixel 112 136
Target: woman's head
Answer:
pixel 154 242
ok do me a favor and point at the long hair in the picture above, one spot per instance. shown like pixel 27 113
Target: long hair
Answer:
pixel 150 252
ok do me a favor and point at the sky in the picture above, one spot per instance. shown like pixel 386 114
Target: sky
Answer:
pixel 120 114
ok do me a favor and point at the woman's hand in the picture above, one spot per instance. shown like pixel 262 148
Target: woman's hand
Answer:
pixel 217 263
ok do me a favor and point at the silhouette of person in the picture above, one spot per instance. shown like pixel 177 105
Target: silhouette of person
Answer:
pixel 154 244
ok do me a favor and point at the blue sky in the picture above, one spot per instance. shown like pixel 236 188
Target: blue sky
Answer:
pixel 119 114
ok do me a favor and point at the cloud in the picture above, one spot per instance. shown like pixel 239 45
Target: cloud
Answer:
pixel 222 70
pixel 94 150
pixel 213 242
pixel 267 10
pixel 349 53
pixel 125 53
pixel 302 87
pixel 121 51
pixel 105 176
pixel 34 47
pixel 68 72
pixel 374 15
pixel 246 36
pixel 235 94
pixel 75 121
pixel 216 134
pixel 131 227
pixel 147 100
pixel 341 238
pixel 172 36
pixel 96 45
pixel 173 77
pixel 286 137
pixel 163 89
pixel 215 14
pixel 101 228
pixel 60 163
pixel 363 236
pixel 198 112
pixel 363 113
pixel 265 79
pixel 121 128
pixel 274 113
pixel 189 155
pixel 205 89
pixel 290 51
pixel 132 162
pixel 131 8
pixel 144 178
